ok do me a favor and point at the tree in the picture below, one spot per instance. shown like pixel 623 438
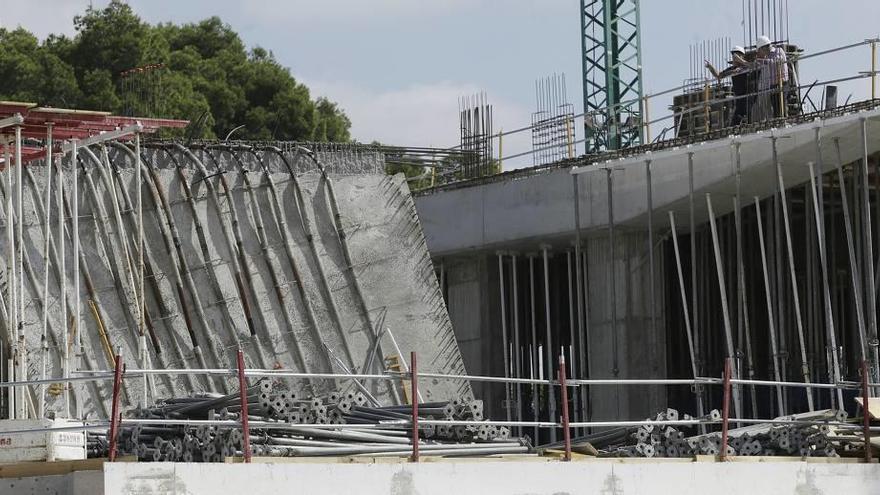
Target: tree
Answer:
pixel 208 76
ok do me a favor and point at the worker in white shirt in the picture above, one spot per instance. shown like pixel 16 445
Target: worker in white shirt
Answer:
pixel 772 66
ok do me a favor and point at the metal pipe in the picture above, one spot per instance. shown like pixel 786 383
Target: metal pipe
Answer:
pixel 504 341
pixel 866 421
pixel 414 382
pixel 533 349
pixel 19 267
pixel 725 409
pixel 769 300
pixel 854 268
pixel 692 230
pixel 805 367
pixel 33 278
pixel 743 312
pixel 566 431
pixel 242 392
pixel 651 281
pixel 65 324
pixel 722 288
pixel 579 292
pixel 548 343
pixel 44 344
pixel 820 239
pixel 698 392
pixel 115 414
pixel 869 256
pixel 516 337
pixel 612 269
pixel 10 276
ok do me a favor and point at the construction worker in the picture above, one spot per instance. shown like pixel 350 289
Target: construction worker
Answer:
pixel 740 73
pixel 737 64
pixel 771 65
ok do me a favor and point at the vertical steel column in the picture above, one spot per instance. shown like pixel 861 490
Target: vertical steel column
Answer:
pixel 12 307
pixel 579 292
pixel 826 292
pixel 243 397
pixel 563 392
pixel 743 327
pixel 725 311
pixel 44 342
pixel 805 367
pixel 653 297
pixel 854 268
pixel 140 296
pixel 533 349
pixel 414 383
pixel 869 257
pixel 774 348
pixel 687 322
pixel 65 322
pixel 692 230
pixel 548 342
pixel 115 415
pixel 516 336
pixel 21 402
pixel 74 236
pixel 612 272
pixel 725 410
pixel 571 331
pixel 505 343
pixel 866 415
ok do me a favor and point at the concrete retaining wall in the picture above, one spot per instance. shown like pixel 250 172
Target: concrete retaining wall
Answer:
pixel 496 477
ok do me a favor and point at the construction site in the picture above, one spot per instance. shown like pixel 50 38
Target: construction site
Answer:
pixel 689 304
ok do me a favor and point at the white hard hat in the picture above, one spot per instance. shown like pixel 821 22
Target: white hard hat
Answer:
pixel 763 41
pixel 738 49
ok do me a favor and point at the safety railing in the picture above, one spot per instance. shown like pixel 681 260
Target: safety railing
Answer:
pixel 644 124
pixel 727 382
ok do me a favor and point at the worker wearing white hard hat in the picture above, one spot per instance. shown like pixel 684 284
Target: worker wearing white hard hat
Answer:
pixel 772 66
pixel 737 71
pixel 736 65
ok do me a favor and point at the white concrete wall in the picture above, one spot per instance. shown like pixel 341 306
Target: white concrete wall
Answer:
pixel 495 477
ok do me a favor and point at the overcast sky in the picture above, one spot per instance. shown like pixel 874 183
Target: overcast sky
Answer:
pixel 397 67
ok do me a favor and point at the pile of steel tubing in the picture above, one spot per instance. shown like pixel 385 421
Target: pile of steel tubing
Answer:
pixel 812 434
pixel 365 428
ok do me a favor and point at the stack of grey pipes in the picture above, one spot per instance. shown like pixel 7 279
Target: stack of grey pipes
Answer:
pixel 812 434
pixel 386 431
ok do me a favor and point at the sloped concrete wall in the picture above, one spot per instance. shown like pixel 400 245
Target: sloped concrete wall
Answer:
pixel 256 249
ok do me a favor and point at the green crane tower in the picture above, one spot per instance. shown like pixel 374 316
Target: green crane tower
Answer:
pixel 612 68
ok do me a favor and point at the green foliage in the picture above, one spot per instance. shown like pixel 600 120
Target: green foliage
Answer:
pixel 210 77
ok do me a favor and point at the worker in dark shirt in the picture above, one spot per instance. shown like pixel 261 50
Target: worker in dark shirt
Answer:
pixel 740 71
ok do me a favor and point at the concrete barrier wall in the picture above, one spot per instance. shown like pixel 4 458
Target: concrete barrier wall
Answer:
pixel 496 477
